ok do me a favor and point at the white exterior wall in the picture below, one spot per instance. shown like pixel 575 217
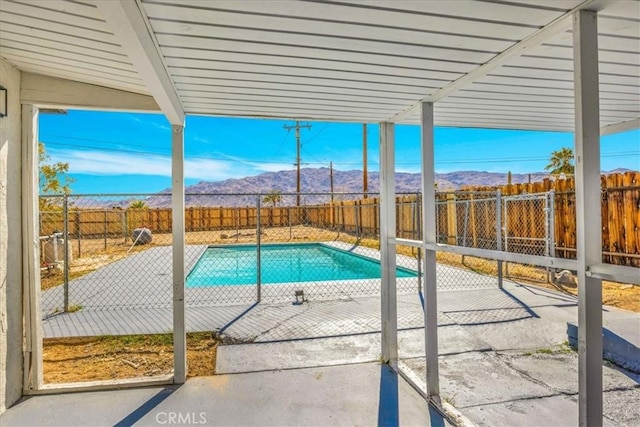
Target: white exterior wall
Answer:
pixel 11 321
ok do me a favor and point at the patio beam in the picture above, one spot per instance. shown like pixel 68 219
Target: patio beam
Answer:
pixel 177 225
pixel 130 26
pixel 558 25
pixel 620 127
pixel 429 236
pixel 389 309
pixel 52 92
pixel 588 216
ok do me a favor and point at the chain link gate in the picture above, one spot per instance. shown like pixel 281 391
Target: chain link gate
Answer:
pixel 528 227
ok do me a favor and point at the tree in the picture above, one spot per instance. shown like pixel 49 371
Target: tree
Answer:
pixel 53 178
pixel 274 197
pixel 138 204
pixel 561 162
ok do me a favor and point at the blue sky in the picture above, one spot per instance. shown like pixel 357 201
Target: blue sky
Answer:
pixel 125 152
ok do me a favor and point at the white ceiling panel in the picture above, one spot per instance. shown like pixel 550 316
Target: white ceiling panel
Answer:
pixel 65 39
pixel 495 64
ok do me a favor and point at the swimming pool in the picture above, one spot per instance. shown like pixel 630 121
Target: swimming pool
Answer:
pixel 282 263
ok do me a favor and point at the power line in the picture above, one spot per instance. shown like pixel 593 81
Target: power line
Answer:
pixel 454 162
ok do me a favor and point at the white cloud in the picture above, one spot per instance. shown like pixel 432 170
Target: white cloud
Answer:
pixel 105 163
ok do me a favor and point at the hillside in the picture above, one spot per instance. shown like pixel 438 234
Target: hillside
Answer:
pixel 317 180
pixel 238 192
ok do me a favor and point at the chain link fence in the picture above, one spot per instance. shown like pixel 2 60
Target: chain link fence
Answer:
pixel 96 253
pixel 114 251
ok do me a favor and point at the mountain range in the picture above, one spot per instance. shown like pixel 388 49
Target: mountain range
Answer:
pixel 346 185
pixel 318 180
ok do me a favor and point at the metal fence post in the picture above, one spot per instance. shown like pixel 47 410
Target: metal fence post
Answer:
pixel 499 233
pixel 258 263
pixel 550 232
pixel 124 226
pixel 418 236
pixel 552 223
pixel 466 223
pixel 79 233
pixel 66 251
pixel 356 220
pixel 237 219
pixel 106 229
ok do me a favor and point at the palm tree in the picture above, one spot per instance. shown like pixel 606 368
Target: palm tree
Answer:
pixel 138 204
pixel 274 197
pixel 561 162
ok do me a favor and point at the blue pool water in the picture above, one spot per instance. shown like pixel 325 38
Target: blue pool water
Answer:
pixel 236 265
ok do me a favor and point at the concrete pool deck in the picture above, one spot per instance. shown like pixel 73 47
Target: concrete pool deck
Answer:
pixel 502 362
pixel 374 395
pixel 502 358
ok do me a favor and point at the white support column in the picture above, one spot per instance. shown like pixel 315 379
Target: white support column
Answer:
pixel 177 205
pixel 33 373
pixel 429 261
pixel 389 307
pixel 589 222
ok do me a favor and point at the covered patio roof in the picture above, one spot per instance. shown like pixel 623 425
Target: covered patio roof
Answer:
pixel 486 64
pixel 566 65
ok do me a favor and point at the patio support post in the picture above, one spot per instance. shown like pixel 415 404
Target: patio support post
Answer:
pixel 33 371
pixel 177 224
pixel 389 309
pixel 588 216
pixel 429 235
pixel 258 250
pixel 499 234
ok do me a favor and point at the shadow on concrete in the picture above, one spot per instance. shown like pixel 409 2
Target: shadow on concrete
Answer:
pixel 147 406
pixel 565 298
pixel 520 302
pixel 388 404
pixel 238 317
pixel 615 348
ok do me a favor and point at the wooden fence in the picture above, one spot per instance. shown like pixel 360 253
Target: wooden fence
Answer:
pixel 465 217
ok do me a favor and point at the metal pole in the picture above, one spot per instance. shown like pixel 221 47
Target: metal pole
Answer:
pixel 65 247
pixel 105 230
pixel 466 223
pixel 258 258
pixel 237 218
pixel 547 224
pixel 588 216
pixel 289 219
pixel 429 236
pixel 79 226
pixel 124 225
pixel 552 223
pixel 418 236
pixel 178 250
pixel 499 233
pixel 389 307
pixel 357 221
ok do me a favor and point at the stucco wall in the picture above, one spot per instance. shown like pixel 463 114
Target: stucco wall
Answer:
pixel 11 323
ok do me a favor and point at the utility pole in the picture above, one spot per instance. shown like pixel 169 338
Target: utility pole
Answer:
pixel 297 127
pixel 365 174
pixel 331 179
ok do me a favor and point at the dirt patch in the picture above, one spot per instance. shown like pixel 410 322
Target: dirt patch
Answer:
pixel 120 357
pixel 619 295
